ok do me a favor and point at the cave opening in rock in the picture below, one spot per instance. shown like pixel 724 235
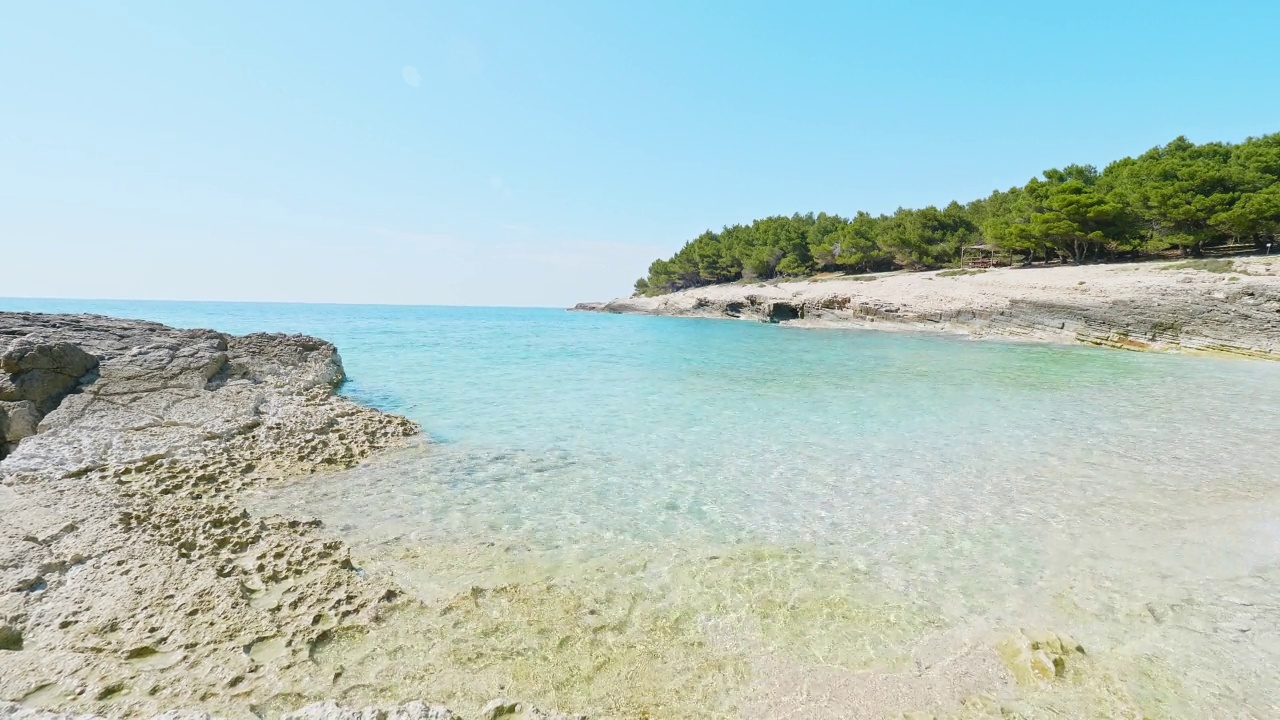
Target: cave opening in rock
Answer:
pixel 781 312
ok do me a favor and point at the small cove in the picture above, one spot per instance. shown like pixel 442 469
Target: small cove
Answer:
pixel 634 515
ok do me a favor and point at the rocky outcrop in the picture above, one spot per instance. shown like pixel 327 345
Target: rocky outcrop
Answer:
pixel 1135 307
pixel 131 578
pixel 34 377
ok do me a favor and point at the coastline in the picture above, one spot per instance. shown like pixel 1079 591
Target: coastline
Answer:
pixel 1133 306
pixel 135 581
pixel 683 622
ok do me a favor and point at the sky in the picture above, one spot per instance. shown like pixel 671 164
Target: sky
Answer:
pixel 537 153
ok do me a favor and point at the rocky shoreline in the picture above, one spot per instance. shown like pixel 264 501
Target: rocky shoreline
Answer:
pixel 1233 309
pixel 134 581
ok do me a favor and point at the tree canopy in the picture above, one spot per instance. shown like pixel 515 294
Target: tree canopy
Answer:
pixel 1180 197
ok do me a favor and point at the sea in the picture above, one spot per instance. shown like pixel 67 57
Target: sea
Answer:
pixel 672 517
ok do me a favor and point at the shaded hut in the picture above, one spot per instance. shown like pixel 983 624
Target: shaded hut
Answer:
pixel 978 256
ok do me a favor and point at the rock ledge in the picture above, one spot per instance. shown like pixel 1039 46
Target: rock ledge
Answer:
pixel 132 580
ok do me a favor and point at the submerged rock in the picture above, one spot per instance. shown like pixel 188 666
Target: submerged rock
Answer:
pixel 503 709
pixel 1042 656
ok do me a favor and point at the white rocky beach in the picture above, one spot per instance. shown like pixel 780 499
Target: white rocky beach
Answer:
pixel 1232 309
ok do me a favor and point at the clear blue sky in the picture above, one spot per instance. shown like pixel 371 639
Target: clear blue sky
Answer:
pixel 532 153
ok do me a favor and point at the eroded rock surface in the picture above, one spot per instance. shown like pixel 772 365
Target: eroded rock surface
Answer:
pixel 132 581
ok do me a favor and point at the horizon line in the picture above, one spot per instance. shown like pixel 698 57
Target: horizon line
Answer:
pixel 4 298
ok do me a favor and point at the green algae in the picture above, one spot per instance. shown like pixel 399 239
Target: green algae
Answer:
pixel 1055 677
pixel 688 637
pixel 811 608
pixel 675 642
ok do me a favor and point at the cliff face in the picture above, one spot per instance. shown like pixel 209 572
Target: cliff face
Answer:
pixel 1137 307
pixel 132 579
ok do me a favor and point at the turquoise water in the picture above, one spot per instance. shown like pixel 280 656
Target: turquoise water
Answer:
pixel 793 503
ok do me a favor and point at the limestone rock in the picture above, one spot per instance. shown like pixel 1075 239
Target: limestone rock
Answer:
pixel 42 373
pixel 330 710
pixel 133 579
pixel 18 419
pixel 1141 306
pixel 34 377
pixel 13 711
pixel 499 708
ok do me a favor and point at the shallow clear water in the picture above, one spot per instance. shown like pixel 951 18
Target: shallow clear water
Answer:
pixel 682 516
